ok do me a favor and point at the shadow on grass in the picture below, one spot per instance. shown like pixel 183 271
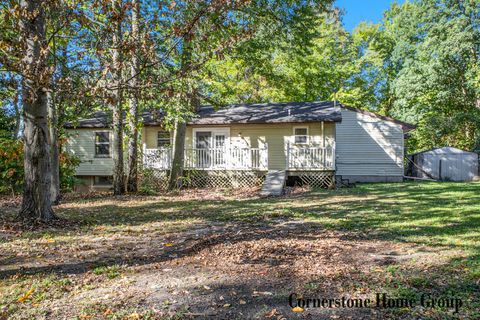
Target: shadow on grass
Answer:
pixel 443 215
pixel 439 214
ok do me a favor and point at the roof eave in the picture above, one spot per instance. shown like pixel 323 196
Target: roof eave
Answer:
pixel 407 127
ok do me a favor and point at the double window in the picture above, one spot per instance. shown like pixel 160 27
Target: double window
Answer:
pixel 301 135
pixel 163 139
pixel 102 144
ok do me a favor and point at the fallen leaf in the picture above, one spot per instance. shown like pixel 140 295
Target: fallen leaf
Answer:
pixel 227 305
pixel 242 301
pixel 107 312
pixel 298 309
pixel 26 295
pixel 271 314
pixel 134 316
pixel 168 244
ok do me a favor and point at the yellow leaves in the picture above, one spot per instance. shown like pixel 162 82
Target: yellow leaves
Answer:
pixel 168 244
pixel 134 316
pixel 298 309
pixel 26 295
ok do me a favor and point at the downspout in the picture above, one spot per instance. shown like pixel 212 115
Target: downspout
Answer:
pixel 323 134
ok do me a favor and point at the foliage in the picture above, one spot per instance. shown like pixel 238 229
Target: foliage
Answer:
pixel 68 166
pixel 419 64
pixel 11 167
pixel 424 56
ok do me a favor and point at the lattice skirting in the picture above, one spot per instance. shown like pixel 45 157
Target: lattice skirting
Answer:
pixel 318 179
pixel 154 179
pixel 158 179
pixel 223 179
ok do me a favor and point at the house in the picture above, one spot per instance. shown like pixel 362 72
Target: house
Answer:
pixel 315 142
pixel 445 163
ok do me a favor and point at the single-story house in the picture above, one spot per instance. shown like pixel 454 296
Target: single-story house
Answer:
pixel 318 141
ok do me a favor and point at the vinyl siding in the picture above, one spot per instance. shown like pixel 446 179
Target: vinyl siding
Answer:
pixel 368 146
pixel 256 135
pixel 81 143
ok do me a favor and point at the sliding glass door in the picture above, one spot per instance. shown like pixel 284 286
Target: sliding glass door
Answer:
pixel 210 148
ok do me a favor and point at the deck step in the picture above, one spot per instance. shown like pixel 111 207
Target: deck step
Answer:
pixel 274 183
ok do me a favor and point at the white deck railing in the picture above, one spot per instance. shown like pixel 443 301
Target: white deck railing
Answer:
pixel 298 158
pixel 310 158
pixel 205 159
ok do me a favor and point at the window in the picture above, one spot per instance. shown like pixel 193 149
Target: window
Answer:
pixel 103 181
pixel 163 139
pixel 102 144
pixel 301 135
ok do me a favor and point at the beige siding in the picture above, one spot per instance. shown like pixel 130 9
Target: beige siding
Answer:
pixel 275 136
pixel 81 143
pixel 368 146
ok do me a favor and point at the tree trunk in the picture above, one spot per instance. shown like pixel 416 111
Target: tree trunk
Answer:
pixel 132 180
pixel 116 105
pixel 18 114
pixel 178 154
pixel 53 138
pixel 36 204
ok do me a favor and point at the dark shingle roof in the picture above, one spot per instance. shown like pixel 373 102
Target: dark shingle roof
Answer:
pixel 285 112
pixel 102 119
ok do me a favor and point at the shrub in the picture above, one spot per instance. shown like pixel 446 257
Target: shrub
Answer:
pixel 68 166
pixel 11 167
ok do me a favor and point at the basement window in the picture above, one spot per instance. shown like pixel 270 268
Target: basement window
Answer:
pixel 102 144
pixel 163 139
pixel 301 135
pixel 104 181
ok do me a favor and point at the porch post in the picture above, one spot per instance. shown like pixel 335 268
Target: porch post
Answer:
pixel 288 155
pixel 144 152
pixel 323 134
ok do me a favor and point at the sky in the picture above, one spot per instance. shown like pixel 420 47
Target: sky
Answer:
pixel 363 10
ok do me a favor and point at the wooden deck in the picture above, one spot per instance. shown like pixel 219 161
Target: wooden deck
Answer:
pixel 297 158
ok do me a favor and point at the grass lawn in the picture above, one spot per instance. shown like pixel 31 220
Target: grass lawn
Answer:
pixel 220 254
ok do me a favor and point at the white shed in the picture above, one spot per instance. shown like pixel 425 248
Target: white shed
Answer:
pixel 445 163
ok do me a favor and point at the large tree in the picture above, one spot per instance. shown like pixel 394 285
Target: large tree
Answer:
pixel 213 30
pixel 436 54
pixel 36 78
pixel 133 115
